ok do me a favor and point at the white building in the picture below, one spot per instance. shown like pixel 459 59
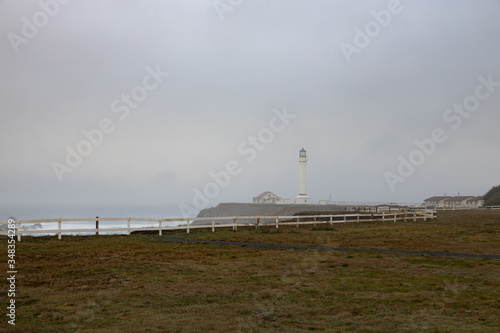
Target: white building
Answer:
pixel 271 198
pixel 266 197
pixel 476 201
pixel 302 198
pixel 457 201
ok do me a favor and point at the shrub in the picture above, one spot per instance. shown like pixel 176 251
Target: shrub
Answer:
pixel 492 198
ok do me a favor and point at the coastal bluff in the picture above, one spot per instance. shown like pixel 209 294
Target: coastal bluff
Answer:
pixel 260 209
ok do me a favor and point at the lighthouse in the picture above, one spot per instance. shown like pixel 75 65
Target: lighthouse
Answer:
pixel 302 198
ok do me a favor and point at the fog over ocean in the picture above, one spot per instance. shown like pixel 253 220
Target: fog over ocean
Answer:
pixel 29 212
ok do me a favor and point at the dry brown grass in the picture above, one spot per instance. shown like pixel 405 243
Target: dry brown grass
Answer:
pixel 468 231
pixel 135 284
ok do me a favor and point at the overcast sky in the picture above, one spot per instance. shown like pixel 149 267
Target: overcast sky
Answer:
pixel 179 89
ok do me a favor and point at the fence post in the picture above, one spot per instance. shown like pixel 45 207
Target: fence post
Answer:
pixel 405 215
pixel 414 216
pixel 395 214
pixel 314 220
pixel 257 224
pixel 331 219
pixel 97 225
pixel 298 218
pixel 18 230
pixel 345 219
pixel 383 216
pixel 59 228
pixel 358 219
pixel 276 222
pixel 235 222
pixel 128 226
pixel 159 227
pixel 213 225
pixel 187 227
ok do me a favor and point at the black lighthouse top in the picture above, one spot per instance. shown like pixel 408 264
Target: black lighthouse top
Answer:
pixel 302 153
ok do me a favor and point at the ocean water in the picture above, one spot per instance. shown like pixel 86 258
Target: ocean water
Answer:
pixel 29 212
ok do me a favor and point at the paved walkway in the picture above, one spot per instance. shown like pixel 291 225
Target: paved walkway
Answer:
pixel 326 248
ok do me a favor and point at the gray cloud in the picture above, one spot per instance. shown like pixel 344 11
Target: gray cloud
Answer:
pixel 225 78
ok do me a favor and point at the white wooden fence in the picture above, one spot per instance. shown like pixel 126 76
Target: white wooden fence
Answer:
pixel 453 208
pixel 210 222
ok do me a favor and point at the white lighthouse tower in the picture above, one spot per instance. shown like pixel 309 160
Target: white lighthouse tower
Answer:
pixel 302 198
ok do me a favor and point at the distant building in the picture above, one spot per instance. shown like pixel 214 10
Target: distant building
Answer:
pixel 302 198
pixel 456 201
pixel 436 201
pixel 266 197
pixel 476 201
pixel 326 202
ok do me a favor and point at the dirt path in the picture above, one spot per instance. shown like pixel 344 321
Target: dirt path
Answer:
pixel 325 248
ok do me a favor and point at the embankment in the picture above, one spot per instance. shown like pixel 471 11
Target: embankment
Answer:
pixel 253 209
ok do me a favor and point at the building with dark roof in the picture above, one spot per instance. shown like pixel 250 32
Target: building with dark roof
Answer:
pixel 456 201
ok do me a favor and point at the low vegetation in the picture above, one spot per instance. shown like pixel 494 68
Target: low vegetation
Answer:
pixel 143 283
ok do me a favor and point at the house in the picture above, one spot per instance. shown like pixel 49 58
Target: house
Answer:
pixel 266 197
pixel 476 202
pixel 456 201
pixel 436 201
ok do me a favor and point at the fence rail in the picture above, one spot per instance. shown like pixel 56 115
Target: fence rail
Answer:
pixel 453 208
pixel 22 227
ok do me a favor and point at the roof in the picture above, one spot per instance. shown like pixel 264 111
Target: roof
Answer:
pixel 457 198
pixel 460 198
pixel 263 194
pixel 438 198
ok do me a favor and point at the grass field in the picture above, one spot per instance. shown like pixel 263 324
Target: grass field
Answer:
pixel 139 284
